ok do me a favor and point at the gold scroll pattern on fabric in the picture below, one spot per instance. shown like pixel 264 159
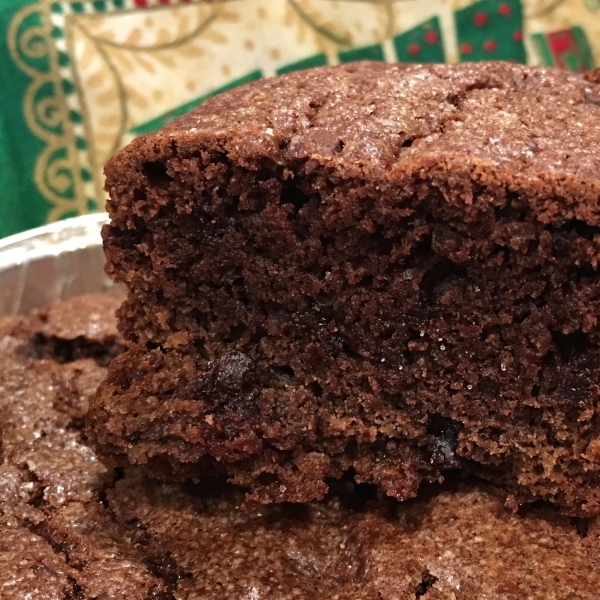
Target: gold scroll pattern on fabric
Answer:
pixel 103 72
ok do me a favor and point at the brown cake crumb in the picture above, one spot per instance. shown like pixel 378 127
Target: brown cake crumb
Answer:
pixel 123 536
pixel 387 269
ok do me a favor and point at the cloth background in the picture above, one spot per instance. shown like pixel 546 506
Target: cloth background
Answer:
pixel 79 80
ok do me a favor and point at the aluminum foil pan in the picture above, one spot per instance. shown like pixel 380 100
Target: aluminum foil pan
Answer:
pixel 50 263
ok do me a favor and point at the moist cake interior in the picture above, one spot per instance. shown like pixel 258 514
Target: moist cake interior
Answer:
pixel 322 277
pixel 73 529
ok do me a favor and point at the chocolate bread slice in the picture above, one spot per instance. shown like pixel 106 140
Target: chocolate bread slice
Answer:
pixel 383 269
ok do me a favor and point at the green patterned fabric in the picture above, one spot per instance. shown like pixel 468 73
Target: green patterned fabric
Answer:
pixel 82 79
pixel 21 204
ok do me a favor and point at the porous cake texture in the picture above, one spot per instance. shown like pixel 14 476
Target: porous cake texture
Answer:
pixel 375 269
pixel 73 529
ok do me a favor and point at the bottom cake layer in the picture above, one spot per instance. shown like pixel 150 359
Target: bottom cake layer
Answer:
pixel 184 417
pixel 73 529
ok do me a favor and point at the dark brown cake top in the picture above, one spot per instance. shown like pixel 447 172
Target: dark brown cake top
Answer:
pixel 89 316
pixel 57 540
pixel 67 330
pixel 523 127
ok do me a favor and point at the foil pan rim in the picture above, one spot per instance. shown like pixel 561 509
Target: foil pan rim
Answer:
pixel 51 263
pixel 51 240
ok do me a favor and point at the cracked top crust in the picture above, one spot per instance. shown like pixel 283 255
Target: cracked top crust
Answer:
pixel 89 316
pixel 57 540
pixel 529 129
pixel 456 544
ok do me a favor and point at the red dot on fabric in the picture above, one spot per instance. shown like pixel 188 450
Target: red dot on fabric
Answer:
pixel 431 37
pixel 466 48
pixel 489 46
pixel 414 49
pixel 504 10
pixel 141 3
pixel 518 36
pixel 480 19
